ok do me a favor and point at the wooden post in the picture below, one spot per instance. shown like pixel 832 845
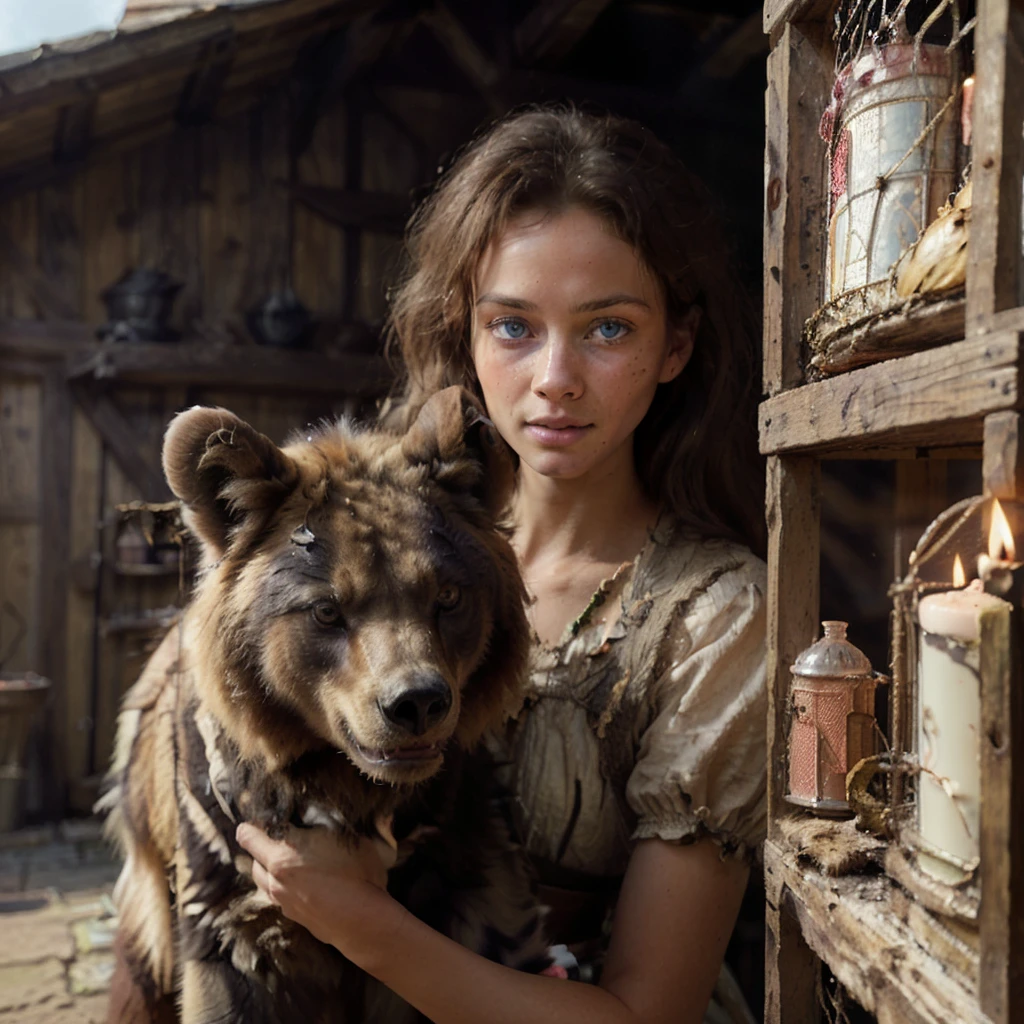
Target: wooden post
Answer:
pixel 54 565
pixel 791 968
pixel 799 81
pixel 1001 917
pixel 793 511
pixel 1003 460
pixel 795 206
pixel 994 278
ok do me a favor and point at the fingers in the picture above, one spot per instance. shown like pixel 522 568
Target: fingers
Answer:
pixel 264 881
pixel 255 841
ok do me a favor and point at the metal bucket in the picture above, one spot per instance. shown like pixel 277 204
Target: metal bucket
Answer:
pixel 22 696
pixel 893 157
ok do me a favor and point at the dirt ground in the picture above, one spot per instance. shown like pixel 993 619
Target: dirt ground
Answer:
pixel 56 924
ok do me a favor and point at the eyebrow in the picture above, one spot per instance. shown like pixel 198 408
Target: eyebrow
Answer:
pixel 512 302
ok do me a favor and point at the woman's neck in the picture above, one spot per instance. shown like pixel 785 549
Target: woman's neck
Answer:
pixel 600 517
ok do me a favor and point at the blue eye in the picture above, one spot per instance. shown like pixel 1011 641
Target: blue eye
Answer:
pixel 610 330
pixel 513 330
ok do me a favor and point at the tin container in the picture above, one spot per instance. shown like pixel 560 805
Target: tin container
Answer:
pixel 893 157
pixel 833 723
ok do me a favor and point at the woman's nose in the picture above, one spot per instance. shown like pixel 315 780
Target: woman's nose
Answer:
pixel 558 376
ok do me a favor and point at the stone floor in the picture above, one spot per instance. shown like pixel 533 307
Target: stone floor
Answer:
pixel 56 924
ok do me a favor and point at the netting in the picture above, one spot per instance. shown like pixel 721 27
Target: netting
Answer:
pixel 892 130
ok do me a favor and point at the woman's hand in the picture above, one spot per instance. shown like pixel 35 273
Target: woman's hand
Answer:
pixel 335 888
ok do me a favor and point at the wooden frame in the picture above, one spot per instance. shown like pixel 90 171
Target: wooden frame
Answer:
pixel 967 393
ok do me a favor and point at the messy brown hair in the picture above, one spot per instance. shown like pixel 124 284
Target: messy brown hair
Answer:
pixel 695 450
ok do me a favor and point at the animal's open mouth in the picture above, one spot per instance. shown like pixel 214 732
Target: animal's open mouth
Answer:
pixel 413 752
pixel 409 754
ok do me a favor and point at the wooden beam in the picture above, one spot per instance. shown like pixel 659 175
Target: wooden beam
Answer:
pixel 746 41
pixel 66 76
pixel 202 90
pixel 348 208
pixel 938 396
pixel 328 67
pixel 554 27
pixel 251 367
pixel 74 130
pixel 799 80
pixel 353 238
pixel 875 944
pixel 994 263
pixel 779 12
pixel 1003 459
pixel 54 568
pixel 792 971
pixel 474 62
pixel 793 512
pixel 728 48
pixel 1001 916
pixel 119 437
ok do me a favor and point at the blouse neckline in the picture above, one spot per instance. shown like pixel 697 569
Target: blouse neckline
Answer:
pixel 658 535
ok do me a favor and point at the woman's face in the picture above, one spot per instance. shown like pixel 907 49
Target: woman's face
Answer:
pixel 570 341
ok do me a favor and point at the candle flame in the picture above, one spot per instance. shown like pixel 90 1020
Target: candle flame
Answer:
pixel 1000 536
pixel 959 576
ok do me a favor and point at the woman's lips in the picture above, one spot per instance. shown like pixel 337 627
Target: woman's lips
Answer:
pixel 555 437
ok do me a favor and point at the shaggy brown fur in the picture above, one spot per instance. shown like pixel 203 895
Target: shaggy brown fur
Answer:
pixel 359 622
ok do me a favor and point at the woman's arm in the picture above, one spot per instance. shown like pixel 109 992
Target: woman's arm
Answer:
pixel 674 917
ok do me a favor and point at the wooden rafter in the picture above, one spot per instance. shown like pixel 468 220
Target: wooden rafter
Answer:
pixel 467 54
pixel 74 130
pixel 329 67
pixel 727 53
pixel 554 27
pixel 119 437
pixel 203 88
pixel 64 75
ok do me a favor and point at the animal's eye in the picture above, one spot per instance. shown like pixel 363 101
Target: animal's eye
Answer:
pixel 327 613
pixel 448 597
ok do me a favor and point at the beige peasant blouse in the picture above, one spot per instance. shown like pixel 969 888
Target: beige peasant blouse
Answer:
pixel 652 725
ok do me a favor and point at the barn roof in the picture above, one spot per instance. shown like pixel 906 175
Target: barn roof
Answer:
pixel 169 61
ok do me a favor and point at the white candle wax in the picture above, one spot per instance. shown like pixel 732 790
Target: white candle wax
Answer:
pixel 949 724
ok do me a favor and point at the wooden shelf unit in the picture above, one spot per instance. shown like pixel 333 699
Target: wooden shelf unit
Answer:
pixel 899 960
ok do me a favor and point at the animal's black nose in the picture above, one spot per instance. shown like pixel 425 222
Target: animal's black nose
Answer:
pixel 420 707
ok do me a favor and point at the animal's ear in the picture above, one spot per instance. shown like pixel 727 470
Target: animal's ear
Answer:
pixel 453 436
pixel 229 476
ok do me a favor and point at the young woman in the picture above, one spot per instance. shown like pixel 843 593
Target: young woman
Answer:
pixel 569 271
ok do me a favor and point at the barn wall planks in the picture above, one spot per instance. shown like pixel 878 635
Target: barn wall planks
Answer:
pixel 210 205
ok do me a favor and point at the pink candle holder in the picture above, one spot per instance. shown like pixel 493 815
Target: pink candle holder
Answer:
pixel 833 724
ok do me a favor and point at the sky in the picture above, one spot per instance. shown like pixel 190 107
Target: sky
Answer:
pixel 24 24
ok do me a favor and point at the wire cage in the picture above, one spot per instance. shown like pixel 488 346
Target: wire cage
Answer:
pixel 934 762
pixel 895 158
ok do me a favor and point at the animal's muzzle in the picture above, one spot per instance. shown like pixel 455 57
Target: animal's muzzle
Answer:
pixel 423 704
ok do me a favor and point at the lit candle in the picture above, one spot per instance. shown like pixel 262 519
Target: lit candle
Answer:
pixel 967 111
pixel 949 725
pixel 996 567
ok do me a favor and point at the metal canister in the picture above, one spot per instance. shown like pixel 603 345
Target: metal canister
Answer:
pixel 892 125
pixel 833 723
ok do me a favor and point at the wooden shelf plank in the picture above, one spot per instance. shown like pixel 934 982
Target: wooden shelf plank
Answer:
pixel 246 367
pixel 936 397
pixel 778 12
pixel 878 942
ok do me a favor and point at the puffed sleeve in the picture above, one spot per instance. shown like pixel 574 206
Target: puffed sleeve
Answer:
pixel 701 768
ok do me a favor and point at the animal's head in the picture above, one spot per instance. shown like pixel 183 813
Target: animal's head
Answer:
pixel 358 593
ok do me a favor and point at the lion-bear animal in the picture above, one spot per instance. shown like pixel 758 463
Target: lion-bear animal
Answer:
pixel 358 624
